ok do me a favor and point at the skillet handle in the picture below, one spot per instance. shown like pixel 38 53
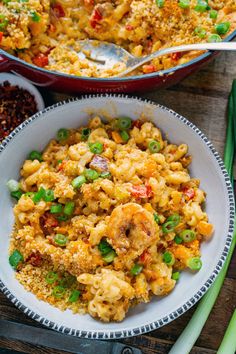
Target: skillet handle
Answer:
pixel 5 63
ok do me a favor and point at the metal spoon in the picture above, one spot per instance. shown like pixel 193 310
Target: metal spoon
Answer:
pixel 105 55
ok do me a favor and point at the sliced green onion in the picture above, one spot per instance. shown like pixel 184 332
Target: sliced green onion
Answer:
pixel 213 14
pixel 85 133
pixel 175 276
pixel 56 209
pixel 124 123
pixel 124 135
pixel 90 174
pixel 96 148
pixel 78 182
pixel 17 194
pixel 222 28
pixel 51 277
pixel 187 235
pixel 39 195
pixel 136 269
pixel 69 208
pixel 194 263
pixel 178 240
pixel 156 218
pixel 184 4
pixel 3 22
pixel 200 32
pixel 13 185
pixel 175 218
pixel 160 3
pixel 168 226
pixel 58 291
pixel 15 259
pixel 109 257
pixel 49 196
pixel 62 134
pixel 168 258
pixel 105 174
pixel 214 38
pixel 59 161
pixel 35 155
pixel 104 247
pixel 29 194
pixel 201 6
pixel 154 146
pixel 60 239
pixel 74 296
pixel 35 16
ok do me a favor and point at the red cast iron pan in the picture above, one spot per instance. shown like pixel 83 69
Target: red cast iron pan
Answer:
pixel 75 84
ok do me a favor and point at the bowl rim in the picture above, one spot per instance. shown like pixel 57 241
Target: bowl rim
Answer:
pixel 114 334
pixel 161 73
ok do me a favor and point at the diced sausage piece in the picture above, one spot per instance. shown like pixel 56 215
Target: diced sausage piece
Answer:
pixel 99 163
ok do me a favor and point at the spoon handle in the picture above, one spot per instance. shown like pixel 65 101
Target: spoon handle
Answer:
pixel 136 62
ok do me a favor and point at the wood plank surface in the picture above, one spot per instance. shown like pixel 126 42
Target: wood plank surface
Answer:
pixel 202 98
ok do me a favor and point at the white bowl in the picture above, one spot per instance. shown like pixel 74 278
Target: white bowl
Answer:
pixel 207 165
pixel 25 84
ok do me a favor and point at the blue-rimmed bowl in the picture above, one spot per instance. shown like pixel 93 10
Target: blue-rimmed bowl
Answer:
pixel 207 165
pixel 78 84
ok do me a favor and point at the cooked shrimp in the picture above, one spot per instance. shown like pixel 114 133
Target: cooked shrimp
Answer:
pixel 131 229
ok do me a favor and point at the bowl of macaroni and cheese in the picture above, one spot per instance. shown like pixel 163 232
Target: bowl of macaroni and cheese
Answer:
pixel 115 220
pixel 40 40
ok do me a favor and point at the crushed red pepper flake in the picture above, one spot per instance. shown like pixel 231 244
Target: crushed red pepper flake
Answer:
pixel 16 105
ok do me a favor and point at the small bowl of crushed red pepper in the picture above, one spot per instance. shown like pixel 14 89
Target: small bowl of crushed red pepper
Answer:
pixel 19 100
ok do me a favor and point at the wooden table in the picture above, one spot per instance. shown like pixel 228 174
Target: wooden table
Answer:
pixel 202 98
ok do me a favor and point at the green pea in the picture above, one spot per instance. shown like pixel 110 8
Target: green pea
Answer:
pixel 222 28
pixel 15 259
pixel 35 155
pixel 175 276
pixel 214 38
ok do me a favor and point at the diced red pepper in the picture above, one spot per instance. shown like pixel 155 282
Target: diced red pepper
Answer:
pixel 1 36
pixel 41 60
pixel 189 192
pixel 49 221
pixel 141 191
pixel 137 123
pixel 35 259
pixel 150 68
pixel 95 18
pixel 129 27
pixel 176 56
pixel 58 10
pixel 145 257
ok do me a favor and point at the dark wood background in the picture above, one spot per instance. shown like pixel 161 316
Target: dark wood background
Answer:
pixel 202 98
